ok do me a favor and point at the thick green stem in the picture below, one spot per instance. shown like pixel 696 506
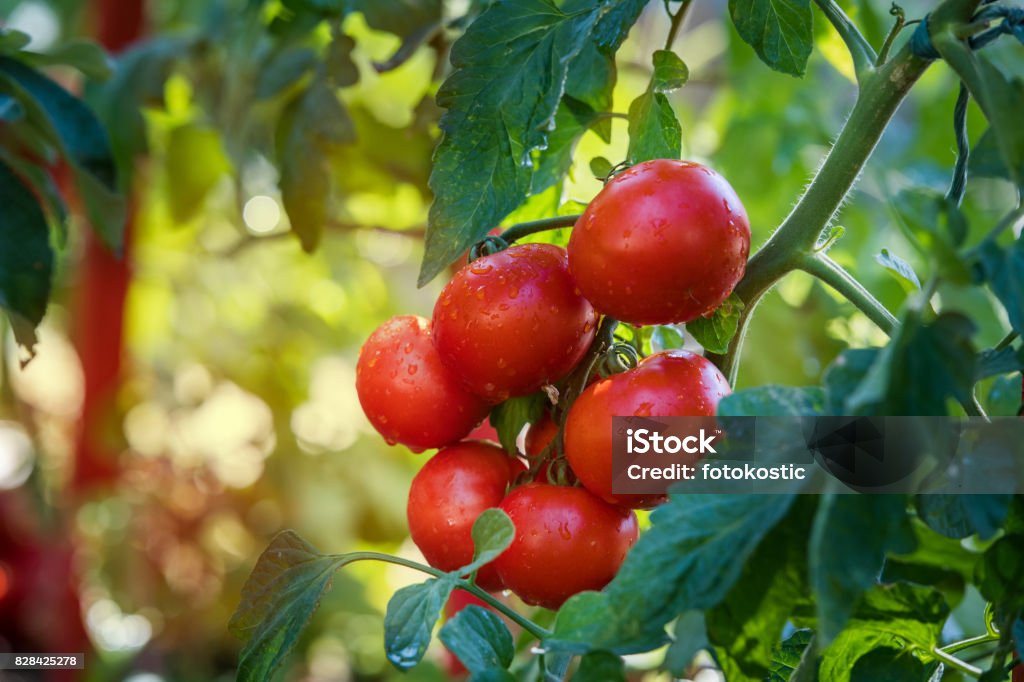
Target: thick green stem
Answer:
pixel 863 54
pixel 880 95
pixel 521 230
pixel 830 272
pixel 523 622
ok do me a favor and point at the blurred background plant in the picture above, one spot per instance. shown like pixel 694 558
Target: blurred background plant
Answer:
pixel 195 395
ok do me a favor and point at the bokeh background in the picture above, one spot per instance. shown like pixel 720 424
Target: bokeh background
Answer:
pixel 190 400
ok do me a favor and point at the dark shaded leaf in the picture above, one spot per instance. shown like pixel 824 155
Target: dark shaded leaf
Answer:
pixel 600 666
pixel 1004 270
pixel 1000 574
pixel 787 656
pixel 284 70
pixel 278 600
pixel 773 401
pixel 849 541
pixel 959 516
pixel 84 55
pixel 843 377
pixel 891 665
pixel 689 636
pixel 26 259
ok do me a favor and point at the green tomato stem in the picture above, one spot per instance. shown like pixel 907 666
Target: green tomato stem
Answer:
pixel 520 230
pixel 830 272
pixel 898 25
pixel 863 54
pixel 968 643
pixel 520 620
pixel 954 662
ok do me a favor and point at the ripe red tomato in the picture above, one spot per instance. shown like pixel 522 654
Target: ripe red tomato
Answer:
pixel 665 384
pixel 484 432
pixel 448 494
pixel 567 541
pixel 665 241
pixel 510 322
pixel 407 393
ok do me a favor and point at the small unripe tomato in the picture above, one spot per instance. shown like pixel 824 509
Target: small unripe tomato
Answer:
pixel 447 495
pixel 671 383
pixel 407 393
pixel 664 241
pixel 566 541
pixel 512 321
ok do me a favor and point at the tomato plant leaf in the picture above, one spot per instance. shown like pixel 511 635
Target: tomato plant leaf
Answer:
pixel 13 40
pixel 1004 270
pixel 195 161
pixel 1004 397
pixel 492 675
pixel 600 666
pixel 410 618
pixel 773 401
pixel 848 543
pixel 900 615
pixel 786 657
pixel 313 124
pixel 509 418
pixel 284 70
pixel 900 269
pixel 493 532
pixel 670 72
pixel 746 624
pixel 278 599
pixel 689 636
pixel 73 130
pixel 400 18
pixel 716 330
pixel 959 516
pixel 891 665
pixel 509 75
pixel 844 375
pixel 26 258
pixel 924 365
pixel 780 31
pixel 696 546
pixel 654 131
pixel 1000 573
pixel 993 362
pixel 666 337
pixel 84 55
pixel 479 638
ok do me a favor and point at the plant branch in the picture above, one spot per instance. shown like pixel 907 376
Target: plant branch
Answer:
pixel 830 272
pixel 517 232
pixel 677 22
pixel 520 620
pixel 900 23
pixel 863 54
pixel 954 662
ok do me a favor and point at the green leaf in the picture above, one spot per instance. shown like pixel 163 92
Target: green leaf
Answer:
pixel 410 618
pixel 1004 270
pixel 986 161
pixel 341 69
pixel 283 71
pixel 492 675
pixel 716 330
pixel 11 40
pixel 670 72
pixel 1000 574
pixel 778 30
pixel 993 362
pixel 493 532
pixel 1001 97
pixel 900 616
pixel 654 131
pixel 745 626
pixel 1004 397
pixel 509 418
pixel 195 161
pixel 45 188
pixel 891 665
pixel 900 269
pixel 72 128
pixel 666 337
pixel 509 73
pixel 11 109
pixel 786 657
pixel 924 365
pixel 26 259
pixel 600 666
pixel 84 55
pixel 689 636
pixel 936 227
pixel 849 541
pixel 696 547
pixel 278 600
pixel 963 515
pixel 478 638
pixel 844 375
pixel 400 18
pixel 313 124
pixel 601 167
pixel 773 401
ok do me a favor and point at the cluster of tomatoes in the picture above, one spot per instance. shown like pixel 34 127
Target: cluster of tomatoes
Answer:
pixel 663 242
